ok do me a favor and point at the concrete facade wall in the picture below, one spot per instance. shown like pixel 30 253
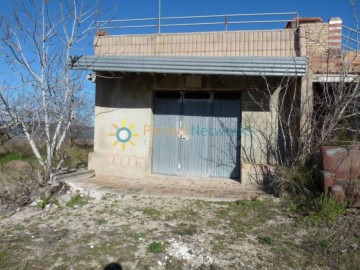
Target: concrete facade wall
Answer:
pixel 128 101
pixel 122 102
pixel 234 43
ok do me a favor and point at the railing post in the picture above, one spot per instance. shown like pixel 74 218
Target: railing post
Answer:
pixel 226 22
pixel 297 20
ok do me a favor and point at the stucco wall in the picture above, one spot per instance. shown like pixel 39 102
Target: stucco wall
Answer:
pixel 127 102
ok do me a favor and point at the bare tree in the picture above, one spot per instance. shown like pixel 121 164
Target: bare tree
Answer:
pixel 36 42
pixel 7 125
pixel 299 130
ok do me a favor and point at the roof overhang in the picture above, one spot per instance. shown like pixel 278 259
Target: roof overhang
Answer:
pixel 221 65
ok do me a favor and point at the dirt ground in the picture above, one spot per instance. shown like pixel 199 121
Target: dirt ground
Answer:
pixel 166 233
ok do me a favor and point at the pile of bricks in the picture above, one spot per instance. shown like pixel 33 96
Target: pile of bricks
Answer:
pixel 341 173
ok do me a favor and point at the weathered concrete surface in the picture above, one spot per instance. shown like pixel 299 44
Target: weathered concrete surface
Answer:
pixel 122 103
pixel 209 189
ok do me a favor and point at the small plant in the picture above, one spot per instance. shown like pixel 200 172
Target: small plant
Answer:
pixel 325 244
pixel 299 180
pixel 44 201
pixel 78 199
pixel 267 240
pixel 254 204
pixel 101 221
pixel 151 212
pixel 156 247
pixel 293 208
pixel 5 260
pixel 326 209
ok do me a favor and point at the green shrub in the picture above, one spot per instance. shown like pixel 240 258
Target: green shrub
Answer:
pixel 156 247
pixel 301 182
pixel 265 240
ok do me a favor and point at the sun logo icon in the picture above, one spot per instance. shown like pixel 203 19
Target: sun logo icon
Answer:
pixel 123 135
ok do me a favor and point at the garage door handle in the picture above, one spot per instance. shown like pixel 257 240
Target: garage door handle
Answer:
pixel 182 136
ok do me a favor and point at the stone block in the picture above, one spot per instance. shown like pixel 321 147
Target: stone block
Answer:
pixel 344 162
pixel 338 193
pixel 327 179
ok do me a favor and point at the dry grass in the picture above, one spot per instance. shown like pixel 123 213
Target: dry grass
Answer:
pixel 187 234
pixel 19 171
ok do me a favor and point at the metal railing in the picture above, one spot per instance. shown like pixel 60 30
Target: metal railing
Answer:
pixel 198 23
pixel 350 39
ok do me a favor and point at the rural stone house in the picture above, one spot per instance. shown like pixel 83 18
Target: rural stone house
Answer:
pixel 201 103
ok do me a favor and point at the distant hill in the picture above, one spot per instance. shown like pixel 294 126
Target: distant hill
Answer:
pixel 76 131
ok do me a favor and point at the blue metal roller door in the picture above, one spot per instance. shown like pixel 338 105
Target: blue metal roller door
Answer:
pixel 197 134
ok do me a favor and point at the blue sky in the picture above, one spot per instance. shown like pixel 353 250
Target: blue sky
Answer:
pixel 306 8
pixel 149 8
pixel 127 9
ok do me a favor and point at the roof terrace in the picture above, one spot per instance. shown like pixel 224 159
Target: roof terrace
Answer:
pixel 217 35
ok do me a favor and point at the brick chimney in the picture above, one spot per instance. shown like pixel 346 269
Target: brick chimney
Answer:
pixel 335 34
